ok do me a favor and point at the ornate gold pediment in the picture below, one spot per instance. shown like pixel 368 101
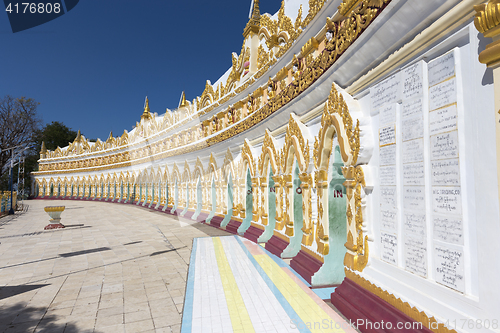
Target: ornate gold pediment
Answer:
pixel 336 114
pixel 295 137
pixel 269 150
pixel 246 152
pixel 176 175
pixel 199 167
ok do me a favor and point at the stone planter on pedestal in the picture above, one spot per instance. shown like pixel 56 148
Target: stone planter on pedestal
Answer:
pixel 55 214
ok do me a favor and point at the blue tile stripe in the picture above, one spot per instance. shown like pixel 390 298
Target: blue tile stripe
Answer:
pixel 324 293
pixel 187 314
pixel 279 296
pixel 280 262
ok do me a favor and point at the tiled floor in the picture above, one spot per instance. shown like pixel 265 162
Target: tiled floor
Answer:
pixel 122 268
pixel 235 285
pixel 115 268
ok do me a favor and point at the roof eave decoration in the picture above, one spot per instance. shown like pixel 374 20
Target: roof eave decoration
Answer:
pixel 347 6
pixel 344 33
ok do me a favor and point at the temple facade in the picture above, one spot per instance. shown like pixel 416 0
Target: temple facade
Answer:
pixel 358 138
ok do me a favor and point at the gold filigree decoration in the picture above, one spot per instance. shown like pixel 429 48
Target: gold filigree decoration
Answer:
pixel 336 121
pixel 309 46
pixel 176 174
pixel 344 35
pixel 237 68
pixel 212 162
pixel 347 6
pixel 207 97
pixel 314 7
pixel 302 151
pixel 336 114
pixel 198 167
pixel 357 244
pixel 186 175
pixel 263 57
pixel 228 160
pixel 247 153
pixel 268 149
pixel 281 32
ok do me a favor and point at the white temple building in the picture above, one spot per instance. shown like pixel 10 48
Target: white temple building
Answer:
pixel 358 138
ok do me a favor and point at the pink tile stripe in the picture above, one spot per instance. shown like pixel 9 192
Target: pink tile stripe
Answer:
pixel 254 249
pixel 334 315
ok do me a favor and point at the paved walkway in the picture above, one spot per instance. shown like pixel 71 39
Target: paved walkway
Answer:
pixel 115 268
pixel 124 268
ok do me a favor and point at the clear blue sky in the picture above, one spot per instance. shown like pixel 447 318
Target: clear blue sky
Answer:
pixel 92 67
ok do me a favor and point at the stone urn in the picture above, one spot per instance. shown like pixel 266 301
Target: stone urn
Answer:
pixel 55 214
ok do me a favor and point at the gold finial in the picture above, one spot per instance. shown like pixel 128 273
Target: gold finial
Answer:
pixel 78 136
pixel 253 24
pixel 44 149
pixel 183 102
pixel 146 114
pixel 111 134
pixel 256 11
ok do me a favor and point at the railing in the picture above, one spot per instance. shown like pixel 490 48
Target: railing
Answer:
pixel 5 202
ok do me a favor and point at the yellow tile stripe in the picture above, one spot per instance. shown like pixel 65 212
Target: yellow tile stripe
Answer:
pixel 313 316
pixel 240 319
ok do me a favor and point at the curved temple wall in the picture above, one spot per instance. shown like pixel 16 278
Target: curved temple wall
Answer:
pixel 351 139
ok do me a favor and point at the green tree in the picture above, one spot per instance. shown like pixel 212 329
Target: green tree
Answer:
pixel 55 134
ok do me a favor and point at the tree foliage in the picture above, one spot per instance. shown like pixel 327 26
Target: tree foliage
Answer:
pixel 21 125
pixel 55 134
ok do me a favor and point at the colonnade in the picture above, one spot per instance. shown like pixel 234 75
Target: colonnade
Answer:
pixel 304 190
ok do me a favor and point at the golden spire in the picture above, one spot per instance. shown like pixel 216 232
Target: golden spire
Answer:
pixel 44 149
pixel 253 24
pixel 183 103
pixel 146 114
pixel 78 137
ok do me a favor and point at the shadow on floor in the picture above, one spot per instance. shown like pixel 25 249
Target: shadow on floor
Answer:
pixel 21 318
pixel 205 228
pixel 210 231
pixel 9 291
pixel 78 253
pixel 63 255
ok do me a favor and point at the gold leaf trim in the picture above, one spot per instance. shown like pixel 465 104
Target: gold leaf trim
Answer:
pixel 344 36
